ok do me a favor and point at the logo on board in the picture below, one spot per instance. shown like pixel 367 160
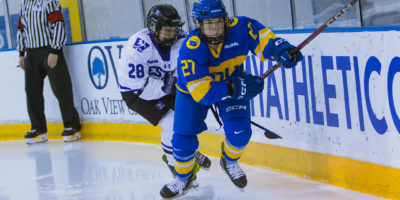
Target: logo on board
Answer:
pixel 98 67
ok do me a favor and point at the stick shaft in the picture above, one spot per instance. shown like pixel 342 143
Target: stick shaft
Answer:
pixel 269 134
pixel 311 37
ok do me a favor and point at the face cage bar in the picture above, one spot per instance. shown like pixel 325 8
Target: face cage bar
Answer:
pixel 212 40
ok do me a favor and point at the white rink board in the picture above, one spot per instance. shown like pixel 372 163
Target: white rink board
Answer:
pixel 363 130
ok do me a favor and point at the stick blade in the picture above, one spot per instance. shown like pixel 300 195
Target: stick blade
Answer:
pixel 272 135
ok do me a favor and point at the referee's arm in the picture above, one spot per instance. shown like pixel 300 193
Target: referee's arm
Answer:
pixel 56 20
pixel 21 42
pixel 20 36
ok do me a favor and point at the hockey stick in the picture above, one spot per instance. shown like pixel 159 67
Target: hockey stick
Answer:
pixel 311 37
pixel 269 134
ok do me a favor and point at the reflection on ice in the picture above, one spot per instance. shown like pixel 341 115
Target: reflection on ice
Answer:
pixel 201 193
pixel 119 171
pixel 44 170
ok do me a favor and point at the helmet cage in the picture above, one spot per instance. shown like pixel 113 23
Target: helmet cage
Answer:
pixel 206 9
pixel 212 40
pixel 164 15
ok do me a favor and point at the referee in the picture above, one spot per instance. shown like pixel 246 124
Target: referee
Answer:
pixel 41 35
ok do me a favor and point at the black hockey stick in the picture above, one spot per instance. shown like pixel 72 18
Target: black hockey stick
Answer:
pixel 269 134
pixel 311 37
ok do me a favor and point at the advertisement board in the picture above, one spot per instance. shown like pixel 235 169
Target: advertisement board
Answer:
pixel 343 99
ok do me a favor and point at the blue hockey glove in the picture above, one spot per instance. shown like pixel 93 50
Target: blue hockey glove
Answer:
pixel 169 83
pixel 245 86
pixel 280 49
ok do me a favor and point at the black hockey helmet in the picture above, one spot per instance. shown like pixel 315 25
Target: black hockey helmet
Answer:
pixel 163 15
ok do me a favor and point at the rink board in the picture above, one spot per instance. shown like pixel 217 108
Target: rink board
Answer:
pixel 337 111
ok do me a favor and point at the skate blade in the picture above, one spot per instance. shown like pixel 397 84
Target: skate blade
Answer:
pixel 71 138
pixel 192 187
pixel 205 168
pixel 195 184
pixel 41 138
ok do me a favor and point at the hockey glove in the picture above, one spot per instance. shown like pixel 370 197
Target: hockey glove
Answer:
pixel 245 86
pixel 280 49
pixel 169 84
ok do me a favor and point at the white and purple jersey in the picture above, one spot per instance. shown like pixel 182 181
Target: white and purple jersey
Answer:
pixel 143 65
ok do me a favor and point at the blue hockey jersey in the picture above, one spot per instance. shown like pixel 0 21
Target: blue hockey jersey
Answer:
pixel 202 71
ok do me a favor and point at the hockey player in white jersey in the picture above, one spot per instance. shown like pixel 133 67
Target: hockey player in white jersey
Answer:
pixel 147 74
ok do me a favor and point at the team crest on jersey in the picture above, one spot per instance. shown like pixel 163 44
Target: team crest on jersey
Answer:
pixel 233 21
pixel 193 42
pixel 140 45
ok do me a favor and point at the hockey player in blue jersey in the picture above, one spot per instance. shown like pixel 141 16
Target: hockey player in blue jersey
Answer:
pixel 210 71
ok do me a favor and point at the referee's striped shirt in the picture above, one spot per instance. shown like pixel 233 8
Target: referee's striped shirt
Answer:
pixel 41 24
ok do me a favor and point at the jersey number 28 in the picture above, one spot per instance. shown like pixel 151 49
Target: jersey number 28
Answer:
pixel 139 69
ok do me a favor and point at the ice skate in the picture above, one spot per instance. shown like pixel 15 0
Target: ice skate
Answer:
pixel 33 137
pixel 71 134
pixel 203 160
pixel 178 188
pixel 235 173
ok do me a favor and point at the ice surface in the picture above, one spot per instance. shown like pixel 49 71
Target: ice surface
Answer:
pixel 120 170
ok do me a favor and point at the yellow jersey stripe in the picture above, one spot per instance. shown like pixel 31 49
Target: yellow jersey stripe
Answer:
pixel 228 64
pixel 263 31
pixel 193 84
pixel 200 89
pixel 180 89
pixel 264 40
pixel 216 54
